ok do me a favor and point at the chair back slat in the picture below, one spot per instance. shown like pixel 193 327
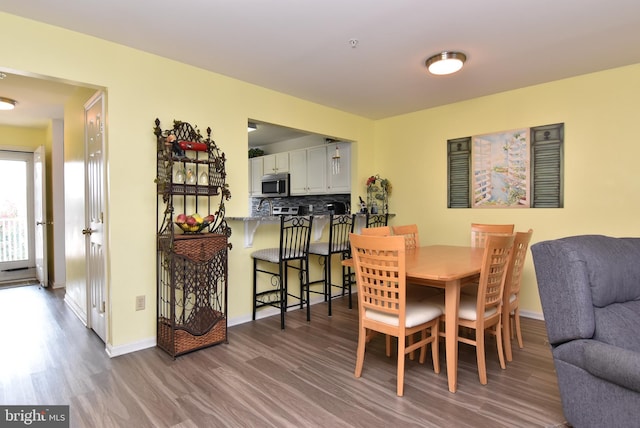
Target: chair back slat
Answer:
pixel 295 236
pixel 497 252
pixel 410 233
pixel 340 226
pixel 376 231
pixel 514 272
pixel 480 232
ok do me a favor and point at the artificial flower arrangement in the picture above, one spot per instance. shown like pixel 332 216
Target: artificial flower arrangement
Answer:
pixel 378 191
pixel 375 180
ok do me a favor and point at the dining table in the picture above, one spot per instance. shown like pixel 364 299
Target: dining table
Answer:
pixel 448 267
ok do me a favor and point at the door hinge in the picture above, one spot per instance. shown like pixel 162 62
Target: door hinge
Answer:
pixel 102 306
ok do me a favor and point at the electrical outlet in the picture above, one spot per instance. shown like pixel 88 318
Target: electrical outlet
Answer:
pixel 140 303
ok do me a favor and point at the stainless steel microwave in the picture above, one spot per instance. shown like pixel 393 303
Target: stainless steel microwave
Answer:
pixel 275 185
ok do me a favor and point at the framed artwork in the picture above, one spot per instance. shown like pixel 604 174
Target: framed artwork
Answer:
pixel 500 169
pixel 520 168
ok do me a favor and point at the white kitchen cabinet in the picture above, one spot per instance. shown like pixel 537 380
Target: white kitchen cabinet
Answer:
pixel 317 170
pixel 308 169
pixel 298 172
pixel 276 163
pixel 256 171
pixel 339 181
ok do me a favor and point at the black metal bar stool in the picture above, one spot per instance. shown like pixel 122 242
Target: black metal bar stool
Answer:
pixel 340 226
pixel 295 235
pixel 376 220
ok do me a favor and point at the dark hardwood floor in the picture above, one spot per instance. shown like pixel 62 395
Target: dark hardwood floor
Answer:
pixel 264 377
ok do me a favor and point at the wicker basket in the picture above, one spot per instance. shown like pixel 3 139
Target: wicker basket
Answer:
pixel 184 342
pixel 199 248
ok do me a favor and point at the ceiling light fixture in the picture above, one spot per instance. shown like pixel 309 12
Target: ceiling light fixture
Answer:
pixel 7 103
pixel 252 127
pixel 445 63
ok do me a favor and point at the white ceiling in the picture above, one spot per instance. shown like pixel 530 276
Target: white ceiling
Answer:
pixel 303 48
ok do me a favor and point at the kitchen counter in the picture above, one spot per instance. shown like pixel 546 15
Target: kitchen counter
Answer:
pixel 320 221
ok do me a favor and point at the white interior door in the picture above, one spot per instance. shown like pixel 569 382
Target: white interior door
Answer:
pixel 40 214
pixel 17 220
pixel 94 230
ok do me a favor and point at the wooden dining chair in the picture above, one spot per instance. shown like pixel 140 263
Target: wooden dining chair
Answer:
pixel 414 291
pixel 412 295
pixel 380 270
pixel 480 231
pixel 376 231
pixel 511 300
pixel 410 233
pixel 484 312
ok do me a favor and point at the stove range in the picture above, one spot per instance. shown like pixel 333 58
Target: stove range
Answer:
pixel 285 210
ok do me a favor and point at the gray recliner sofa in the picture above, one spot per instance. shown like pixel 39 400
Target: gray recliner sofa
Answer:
pixel 590 293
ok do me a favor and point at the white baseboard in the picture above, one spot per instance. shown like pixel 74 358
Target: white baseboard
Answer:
pixel 115 351
pixel 77 310
pixel 533 315
pixel 56 285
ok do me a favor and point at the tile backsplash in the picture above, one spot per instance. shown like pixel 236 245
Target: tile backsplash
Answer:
pixel 319 203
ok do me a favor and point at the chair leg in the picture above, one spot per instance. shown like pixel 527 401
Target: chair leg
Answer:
pixel 401 354
pixel 255 289
pixel 482 366
pixel 423 348
pixel 362 339
pixel 516 317
pixel 348 284
pixel 388 345
pixel 507 336
pixel 435 347
pixel 499 341
pixel 305 273
pixel 412 354
pixel 283 292
pixel 327 281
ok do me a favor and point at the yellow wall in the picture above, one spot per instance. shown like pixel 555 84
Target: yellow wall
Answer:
pixel 141 87
pixel 410 150
pixel 601 178
pixel 22 138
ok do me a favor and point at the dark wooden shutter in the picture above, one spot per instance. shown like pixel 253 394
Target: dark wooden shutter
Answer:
pixel 458 167
pixel 547 166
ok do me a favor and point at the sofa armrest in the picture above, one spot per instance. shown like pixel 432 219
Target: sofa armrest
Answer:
pixel 563 284
pixel 614 364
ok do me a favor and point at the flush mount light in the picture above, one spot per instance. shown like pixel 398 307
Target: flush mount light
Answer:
pixel 445 63
pixel 251 127
pixel 7 103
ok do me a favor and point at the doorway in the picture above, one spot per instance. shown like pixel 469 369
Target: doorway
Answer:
pixel 17 230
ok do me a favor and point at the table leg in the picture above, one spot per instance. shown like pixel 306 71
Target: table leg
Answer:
pixel 452 302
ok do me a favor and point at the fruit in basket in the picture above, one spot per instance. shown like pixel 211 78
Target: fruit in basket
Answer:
pixel 193 223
